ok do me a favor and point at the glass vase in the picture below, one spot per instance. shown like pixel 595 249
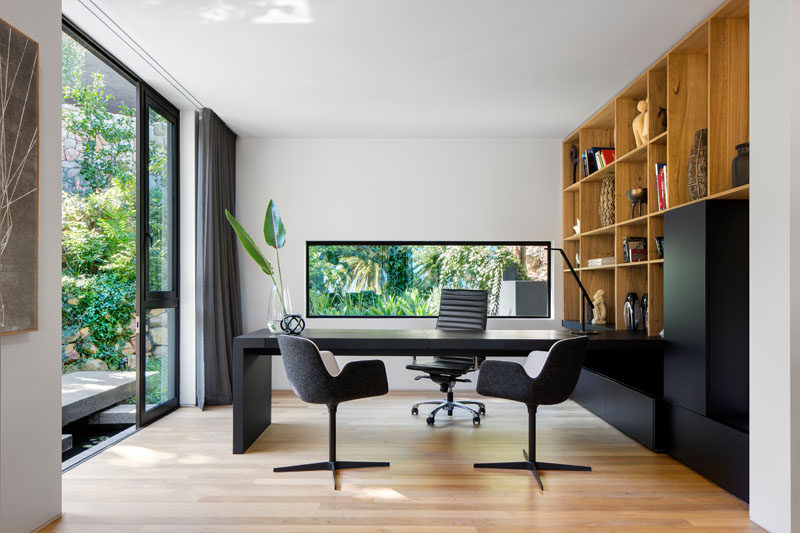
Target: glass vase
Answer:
pixel 277 309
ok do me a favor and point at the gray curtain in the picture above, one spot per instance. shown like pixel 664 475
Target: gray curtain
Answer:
pixel 219 308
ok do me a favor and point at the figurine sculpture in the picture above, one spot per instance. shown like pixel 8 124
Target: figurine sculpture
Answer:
pixel 577 226
pixel 640 124
pixel 573 158
pixel 599 307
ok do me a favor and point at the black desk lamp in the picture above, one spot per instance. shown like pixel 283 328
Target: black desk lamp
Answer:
pixel 586 298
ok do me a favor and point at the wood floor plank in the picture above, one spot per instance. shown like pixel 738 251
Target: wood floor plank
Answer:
pixel 179 475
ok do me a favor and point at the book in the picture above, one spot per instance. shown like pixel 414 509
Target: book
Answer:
pixel 585 165
pixel 591 161
pixel 600 261
pixel 634 249
pixel 608 155
pixel 661 185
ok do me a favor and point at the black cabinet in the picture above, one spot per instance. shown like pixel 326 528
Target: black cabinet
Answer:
pixel 706 341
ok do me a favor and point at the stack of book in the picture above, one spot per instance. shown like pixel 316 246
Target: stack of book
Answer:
pixel 634 249
pixel 661 184
pixel 596 158
pixel 600 261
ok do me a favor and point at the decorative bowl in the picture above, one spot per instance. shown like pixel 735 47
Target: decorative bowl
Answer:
pixel 636 195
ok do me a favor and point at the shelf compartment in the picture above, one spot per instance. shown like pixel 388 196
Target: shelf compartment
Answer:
pixel 571 208
pixel 601 135
pixel 656 154
pixel 626 113
pixel 567 167
pixel 632 230
pixel 629 280
pixel 596 247
pixel 687 101
pixel 600 279
pixel 630 175
pixel 729 96
pixel 655 228
pixel 572 303
pixel 656 98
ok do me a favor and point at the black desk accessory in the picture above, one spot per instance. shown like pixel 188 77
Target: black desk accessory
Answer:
pixel 586 298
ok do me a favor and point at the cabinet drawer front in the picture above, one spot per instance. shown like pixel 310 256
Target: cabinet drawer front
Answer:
pixel 632 412
pixel 591 392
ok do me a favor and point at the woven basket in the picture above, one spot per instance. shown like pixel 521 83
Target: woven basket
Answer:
pixel 607 202
pixel 698 166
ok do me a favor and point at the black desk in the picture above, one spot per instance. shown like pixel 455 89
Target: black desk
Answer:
pixel 252 371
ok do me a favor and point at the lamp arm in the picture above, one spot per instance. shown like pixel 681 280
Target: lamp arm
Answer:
pixel 575 275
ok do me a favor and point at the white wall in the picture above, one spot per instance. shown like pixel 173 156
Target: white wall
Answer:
pixel 30 366
pixel 187 238
pixel 775 264
pixel 393 189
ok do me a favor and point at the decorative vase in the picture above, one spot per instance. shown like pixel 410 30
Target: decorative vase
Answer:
pixel 631 312
pixel 276 309
pixel 606 210
pixel 740 167
pixel 698 166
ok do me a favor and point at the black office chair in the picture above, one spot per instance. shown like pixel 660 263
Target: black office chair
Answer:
pixel 554 384
pixel 459 309
pixel 315 378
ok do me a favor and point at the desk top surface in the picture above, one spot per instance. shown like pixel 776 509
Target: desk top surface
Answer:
pixel 490 341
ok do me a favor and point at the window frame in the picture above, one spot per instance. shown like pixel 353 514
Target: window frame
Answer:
pixel 545 244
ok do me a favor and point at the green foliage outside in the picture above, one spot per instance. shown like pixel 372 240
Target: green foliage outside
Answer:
pixel 99 224
pixel 402 280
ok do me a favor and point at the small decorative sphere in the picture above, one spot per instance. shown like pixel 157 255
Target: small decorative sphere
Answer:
pixel 293 324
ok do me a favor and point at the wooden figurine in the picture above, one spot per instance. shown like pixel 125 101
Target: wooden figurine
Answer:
pixel 599 307
pixel 640 124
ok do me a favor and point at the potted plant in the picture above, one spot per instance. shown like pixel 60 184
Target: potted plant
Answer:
pixel 275 236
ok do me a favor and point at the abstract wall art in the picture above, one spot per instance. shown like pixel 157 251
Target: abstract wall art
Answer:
pixel 19 180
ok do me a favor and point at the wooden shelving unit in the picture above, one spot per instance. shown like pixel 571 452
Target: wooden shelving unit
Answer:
pixel 703 83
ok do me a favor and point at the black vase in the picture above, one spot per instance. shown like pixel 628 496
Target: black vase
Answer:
pixel 740 168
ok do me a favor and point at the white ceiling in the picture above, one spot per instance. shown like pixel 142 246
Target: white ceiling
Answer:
pixel 400 68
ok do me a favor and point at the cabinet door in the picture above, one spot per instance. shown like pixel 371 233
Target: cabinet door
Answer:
pixel 685 306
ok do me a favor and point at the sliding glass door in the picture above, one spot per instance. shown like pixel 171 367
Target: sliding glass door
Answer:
pixel 158 272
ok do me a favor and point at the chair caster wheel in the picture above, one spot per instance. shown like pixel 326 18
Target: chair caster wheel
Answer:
pixel 482 410
pixel 476 420
pixel 414 411
pixel 429 420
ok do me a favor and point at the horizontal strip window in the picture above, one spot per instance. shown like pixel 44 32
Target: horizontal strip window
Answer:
pixel 384 279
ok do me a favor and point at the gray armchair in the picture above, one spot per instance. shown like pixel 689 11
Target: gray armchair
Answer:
pixel 315 378
pixel 553 384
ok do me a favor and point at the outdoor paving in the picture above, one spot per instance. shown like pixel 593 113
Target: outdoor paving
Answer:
pixel 85 392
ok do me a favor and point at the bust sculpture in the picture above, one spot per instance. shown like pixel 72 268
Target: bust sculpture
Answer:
pixel 640 124
pixel 599 307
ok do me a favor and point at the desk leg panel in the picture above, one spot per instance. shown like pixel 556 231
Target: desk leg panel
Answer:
pixel 252 399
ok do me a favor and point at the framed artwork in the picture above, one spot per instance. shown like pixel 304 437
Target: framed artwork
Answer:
pixel 19 180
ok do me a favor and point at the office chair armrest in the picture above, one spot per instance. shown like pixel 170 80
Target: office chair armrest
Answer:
pixel 361 379
pixel 503 379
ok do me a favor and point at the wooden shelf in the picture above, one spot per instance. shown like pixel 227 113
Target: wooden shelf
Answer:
pixel 637 155
pixel 600 175
pixel 659 139
pixel 702 83
pixel 606 230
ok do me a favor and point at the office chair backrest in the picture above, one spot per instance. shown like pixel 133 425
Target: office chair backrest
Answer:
pixel 462 309
pixel 305 369
pixel 561 371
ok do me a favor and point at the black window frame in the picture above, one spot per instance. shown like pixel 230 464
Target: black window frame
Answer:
pixel 545 244
pixel 145 299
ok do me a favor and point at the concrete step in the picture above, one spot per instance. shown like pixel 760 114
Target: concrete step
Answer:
pixel 87 392
pixel 119 414
pixel 66 442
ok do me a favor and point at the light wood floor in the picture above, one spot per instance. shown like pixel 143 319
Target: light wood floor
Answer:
pixel 179 476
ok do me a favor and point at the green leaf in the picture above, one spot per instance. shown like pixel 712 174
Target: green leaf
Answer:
pixel 249 245
pixel 274 231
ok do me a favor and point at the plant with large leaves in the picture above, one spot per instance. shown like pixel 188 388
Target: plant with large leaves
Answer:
pixel 274 236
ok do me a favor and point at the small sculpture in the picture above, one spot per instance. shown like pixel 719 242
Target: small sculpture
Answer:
pixel 640 124
pixel 577 226
pixel 663 111
pixel 637 197
pixel 599 302
pixel 573 157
